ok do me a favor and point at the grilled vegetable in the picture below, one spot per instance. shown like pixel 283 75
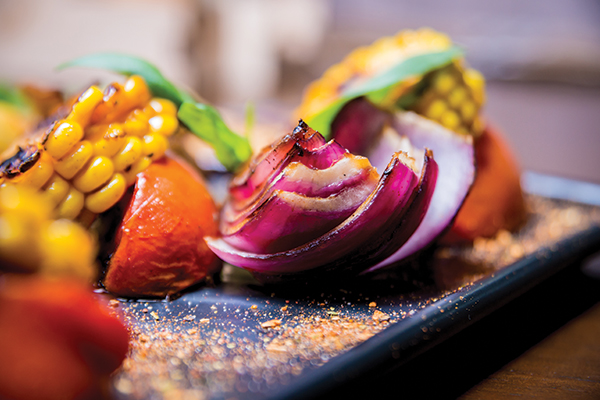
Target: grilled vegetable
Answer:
pixel 32 241
pixel 420 71
pixel 85 162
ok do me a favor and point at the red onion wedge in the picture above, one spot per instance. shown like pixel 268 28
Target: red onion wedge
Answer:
pixel 288 229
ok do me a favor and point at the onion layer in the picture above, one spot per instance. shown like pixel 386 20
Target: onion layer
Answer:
pixel 291 212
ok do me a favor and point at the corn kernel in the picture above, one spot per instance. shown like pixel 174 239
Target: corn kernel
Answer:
pixel 131 174
pixel 136 123
pixel 457 96
pixel 97 172
pixel 136 91
pixel 476 82
pixel 130 153
pixel 450 120
pixel 436 109
pixel 84 107
pixel 56 189
pixel 75 159
pixel 155 145
pixel 163 106
pixel 62 138
pixel 72 204
pixel 103 199
pixel 443 82
pixel 67 250
pixel 39 174
pixel 468 112
pixel 164 124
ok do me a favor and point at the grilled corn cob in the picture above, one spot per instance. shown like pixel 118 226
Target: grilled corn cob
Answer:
pixel 85 162
pixel 452 95
pixel 32 240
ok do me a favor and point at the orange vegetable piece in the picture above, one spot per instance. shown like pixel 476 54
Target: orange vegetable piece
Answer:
pixel 160 248
pixel 495 201
pixel 57 340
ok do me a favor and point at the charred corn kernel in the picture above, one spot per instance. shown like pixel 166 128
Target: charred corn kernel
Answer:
pixel 96 173
pixel 84 107
pixel 155 145
pixel 136 123
pixel 164 124
pixel 130 153
pixel 71 205
pixel 162 106
pixel 107 196
pixel 39 174
pixel 56 189
pixel 75 159
pixel 137 167
pixel 108 131
pixel 67 249
pixel 62 138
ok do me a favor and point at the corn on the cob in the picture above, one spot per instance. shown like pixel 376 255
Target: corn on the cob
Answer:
pixel 452 95
pixel 32 240
pixel 85 162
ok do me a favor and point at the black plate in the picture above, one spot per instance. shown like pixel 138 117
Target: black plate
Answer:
pixel 214 343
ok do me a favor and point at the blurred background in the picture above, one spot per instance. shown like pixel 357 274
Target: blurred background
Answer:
pixel 541 58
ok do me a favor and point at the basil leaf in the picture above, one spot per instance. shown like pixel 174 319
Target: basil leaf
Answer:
pixel 15 97
pixel 206 123
pixel 379 85
pixel 130 65
pixel 201 119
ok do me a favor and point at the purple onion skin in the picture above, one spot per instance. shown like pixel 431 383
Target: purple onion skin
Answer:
pixel 380 221
pixel 358 124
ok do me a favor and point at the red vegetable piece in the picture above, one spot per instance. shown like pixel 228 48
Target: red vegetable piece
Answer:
pixel 159 245
pixel 57 340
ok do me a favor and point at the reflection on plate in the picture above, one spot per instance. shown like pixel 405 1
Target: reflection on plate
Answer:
pixel 242 340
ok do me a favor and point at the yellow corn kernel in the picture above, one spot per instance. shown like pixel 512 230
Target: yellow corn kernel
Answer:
pixel 476 82
pixel 162 106
pixel 96 172
pixel 136 91
pixel 25 202
pixel 62 138
pixel 457 96
pixel 136 123
pixel 71 205
pixel 86 218
pixel 155 145
pixel 131 174
pixel 164 124
pixel 450 120
pixel 436 109
pixel 107 139
pixel 443 82
pixel 75 159
pixel 67 250
pixel 468 111
pixel 130 153
pixel 103 199
pixel 56 189
pixel 84 107
pixel 39 174
pixel 16 245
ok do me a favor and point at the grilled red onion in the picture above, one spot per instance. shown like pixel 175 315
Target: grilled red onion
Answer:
pixel 305 205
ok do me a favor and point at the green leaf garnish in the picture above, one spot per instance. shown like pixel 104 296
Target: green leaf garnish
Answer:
pixel 204 121
pixel 378 86
pixel 201 119
pixel 15 97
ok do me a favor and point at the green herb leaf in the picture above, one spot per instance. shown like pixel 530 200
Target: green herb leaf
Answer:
pixel 379 85
pixel 15 97
pixel 205 122
pixel 130 65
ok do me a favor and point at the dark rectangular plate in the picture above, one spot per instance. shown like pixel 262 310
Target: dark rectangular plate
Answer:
pixel 214 337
